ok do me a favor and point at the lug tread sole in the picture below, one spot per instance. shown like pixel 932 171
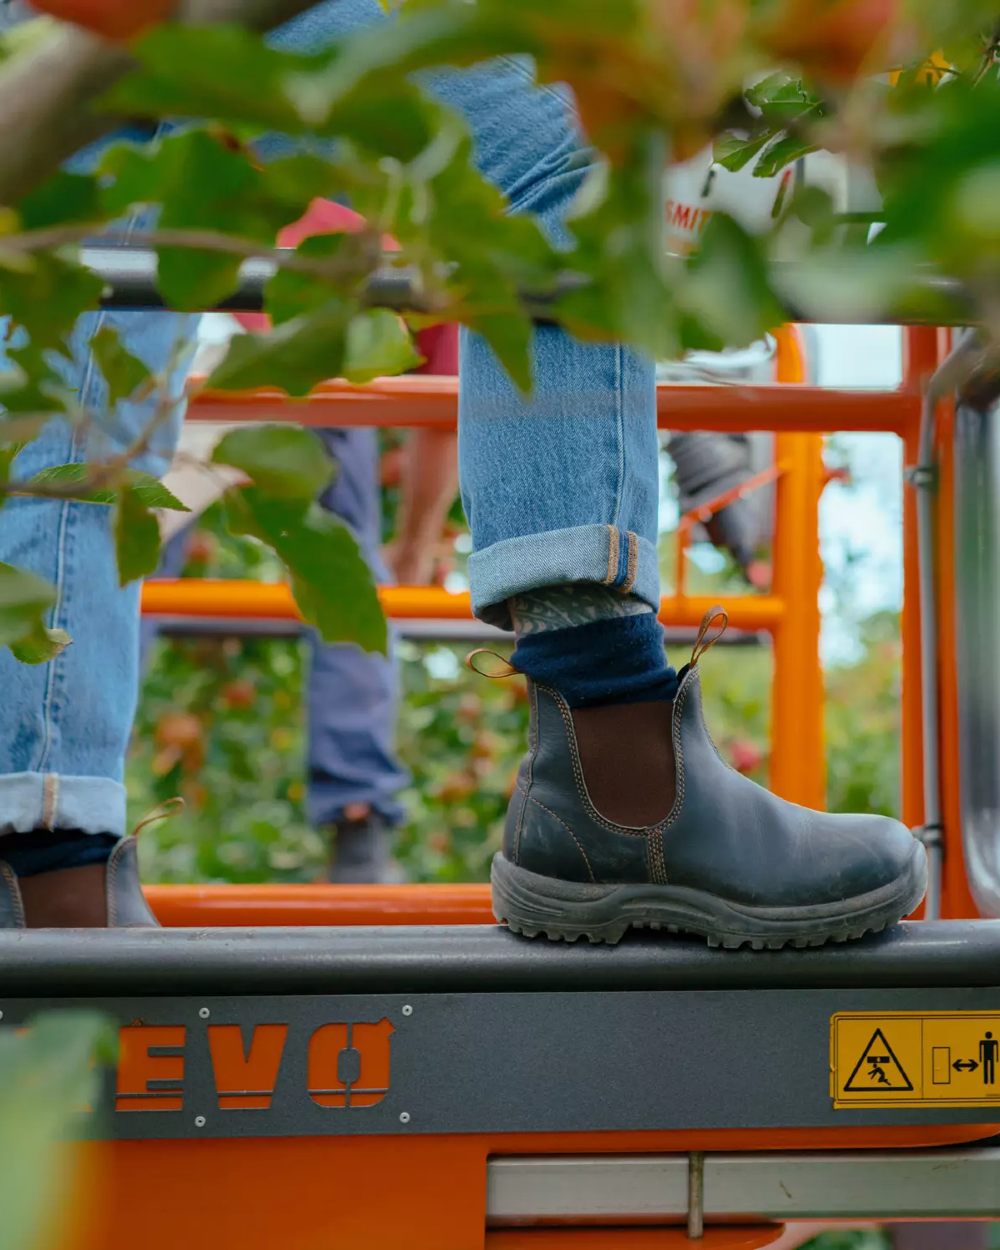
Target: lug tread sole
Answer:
pixel 532 914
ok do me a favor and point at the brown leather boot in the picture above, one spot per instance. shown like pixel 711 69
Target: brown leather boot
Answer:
pixel 627 816
pixel 95 896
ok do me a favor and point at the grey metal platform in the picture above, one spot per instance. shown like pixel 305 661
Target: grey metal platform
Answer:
pixel 470 1029
pixel 446 959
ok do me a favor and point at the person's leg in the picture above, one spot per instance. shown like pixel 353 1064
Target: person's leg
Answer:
pixel 354 776
pixel 624 813
pixel 66 724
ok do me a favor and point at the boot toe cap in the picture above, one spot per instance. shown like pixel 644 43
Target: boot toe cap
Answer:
pixel 863 854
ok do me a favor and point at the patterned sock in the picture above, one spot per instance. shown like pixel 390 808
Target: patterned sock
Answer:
pixel 592 645
pixel 44 850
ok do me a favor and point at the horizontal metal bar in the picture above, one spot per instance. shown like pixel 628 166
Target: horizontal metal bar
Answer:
pixel 236 906
pixel 218 599
pixel 956 954
pixel 843 1185
pixel 129 275
pixel 423 400
pixel 415 630
pixel 273 601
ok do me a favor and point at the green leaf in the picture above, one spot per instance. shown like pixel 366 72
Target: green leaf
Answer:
pixel 47 1075
pixel 148 490
pixel 201 185
pixel 285 461
pixel 783 151
pixel 782 97
pixel 351 90
pixel 24 601
pixel 8 455
pixel 48 298
pixel 41 645
pixel 294 357
pixel 733 151
pixel 728 292
pixel 123 372
pixel 378 345
pixel 137 538
pixel 289 293
pixel 180 77
pixel 331 581
pixel 619 232
pixel 63 199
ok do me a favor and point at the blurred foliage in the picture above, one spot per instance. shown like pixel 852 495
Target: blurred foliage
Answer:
pixel 655 80
pixel 47 1078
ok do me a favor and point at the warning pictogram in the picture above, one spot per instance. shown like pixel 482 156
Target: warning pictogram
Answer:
pixel 915 1059
pixel 878 1068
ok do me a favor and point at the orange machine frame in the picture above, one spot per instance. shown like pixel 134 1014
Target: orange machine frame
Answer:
pixel 429 1192
pixel 798 414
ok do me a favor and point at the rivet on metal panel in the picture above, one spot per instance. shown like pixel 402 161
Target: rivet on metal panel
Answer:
pixel 199 1121
pixel 407 1009
pixel 204 1012
pixel 696 1195
pixel 404 1117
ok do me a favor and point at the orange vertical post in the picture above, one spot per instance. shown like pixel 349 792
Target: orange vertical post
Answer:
pixel 798 756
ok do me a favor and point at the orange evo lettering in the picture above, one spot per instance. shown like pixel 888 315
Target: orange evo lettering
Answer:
pixel 245 1079
pixel 349 1064
pixel 150 1068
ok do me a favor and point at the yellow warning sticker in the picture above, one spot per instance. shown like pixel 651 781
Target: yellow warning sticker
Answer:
pixel 915 1059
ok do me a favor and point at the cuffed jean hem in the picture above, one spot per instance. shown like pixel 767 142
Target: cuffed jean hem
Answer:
pixel 326 812
pixel 613 557
pixel 30 801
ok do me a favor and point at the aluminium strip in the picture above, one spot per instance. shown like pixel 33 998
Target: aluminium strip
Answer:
pixel 836 1185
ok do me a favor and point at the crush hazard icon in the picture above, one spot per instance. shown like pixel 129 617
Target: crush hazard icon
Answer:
pixel 878 1068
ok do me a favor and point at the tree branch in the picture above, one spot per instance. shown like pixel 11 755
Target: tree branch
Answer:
pixel 46 92
pixel 331 269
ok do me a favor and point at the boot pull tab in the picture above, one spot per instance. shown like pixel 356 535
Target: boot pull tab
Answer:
pixel 506 668
pixel 714 624
pixel 163 811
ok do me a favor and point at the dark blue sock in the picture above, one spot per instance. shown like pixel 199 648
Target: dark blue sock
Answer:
pixel 617 660
pixel 44 850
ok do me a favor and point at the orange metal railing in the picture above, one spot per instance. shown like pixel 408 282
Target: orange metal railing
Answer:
pixel 420 399
pixel 798 769
pixel 799 415
pixel 272 601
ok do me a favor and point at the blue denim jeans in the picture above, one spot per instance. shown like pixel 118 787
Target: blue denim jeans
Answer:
pixel 561 487
pixel 352 696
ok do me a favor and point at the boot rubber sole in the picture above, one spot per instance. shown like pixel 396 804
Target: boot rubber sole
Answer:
pixel 533 905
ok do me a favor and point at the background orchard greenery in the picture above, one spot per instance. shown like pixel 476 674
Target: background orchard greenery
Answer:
pixel 221 723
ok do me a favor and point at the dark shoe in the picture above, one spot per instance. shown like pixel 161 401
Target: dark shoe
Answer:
pixel 360 851
pixel 95 896
pixel 627 815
